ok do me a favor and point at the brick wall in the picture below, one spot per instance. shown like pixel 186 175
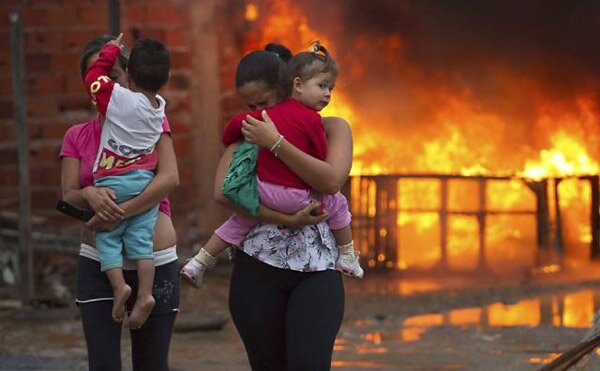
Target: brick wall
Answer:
pixel 54 33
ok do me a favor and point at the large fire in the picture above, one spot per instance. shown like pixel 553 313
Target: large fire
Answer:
pixel 406 119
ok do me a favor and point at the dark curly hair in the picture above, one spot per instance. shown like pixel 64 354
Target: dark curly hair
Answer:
pixel 94 46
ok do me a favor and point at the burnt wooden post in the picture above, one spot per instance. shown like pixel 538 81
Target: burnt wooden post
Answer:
pixel 19 109
pixel 380 220
pixel 444 222
pixel 114 17
pixel 546 317
pixel 391 253
pixel 362 220
pixel 540 189
pixel 481 218
pixel 558 238
pixel 484 318
pixel 595 217
pixel 371 224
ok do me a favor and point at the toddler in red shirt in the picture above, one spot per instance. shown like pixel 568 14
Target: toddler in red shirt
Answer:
pixel 313 76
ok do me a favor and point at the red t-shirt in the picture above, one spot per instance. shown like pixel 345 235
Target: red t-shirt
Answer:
pixel 82 141
pixel 300 125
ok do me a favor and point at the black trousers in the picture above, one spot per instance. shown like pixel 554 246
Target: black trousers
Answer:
pixel 149 344
pixel 287 320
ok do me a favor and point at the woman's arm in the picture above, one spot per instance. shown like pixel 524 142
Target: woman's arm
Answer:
pixel 301 218
pixel 101 200
pixel 324 176
pixel 165 181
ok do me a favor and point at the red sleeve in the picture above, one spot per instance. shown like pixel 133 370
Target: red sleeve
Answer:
pixel 316 135
pixel 96 79
pixel 233 130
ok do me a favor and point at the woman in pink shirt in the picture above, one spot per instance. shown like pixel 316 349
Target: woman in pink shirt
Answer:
pixel 150 343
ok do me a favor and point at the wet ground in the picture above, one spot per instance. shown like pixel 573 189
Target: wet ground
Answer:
pixel 392 321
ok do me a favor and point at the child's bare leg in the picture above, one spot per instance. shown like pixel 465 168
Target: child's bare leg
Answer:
pixel 121 292
pixel 347 261
pixel 343 236
pixel 144 302
pixel 214 246
pixel 194 270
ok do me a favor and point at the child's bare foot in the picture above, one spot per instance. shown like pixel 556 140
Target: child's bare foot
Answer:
pixel 120 297
pixel 141 310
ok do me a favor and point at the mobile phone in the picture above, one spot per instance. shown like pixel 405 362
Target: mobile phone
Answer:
pixel 74 211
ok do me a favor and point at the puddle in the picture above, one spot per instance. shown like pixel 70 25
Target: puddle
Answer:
pixel 376 341
pixel 361 364
pixel 544 360
pixel 574 309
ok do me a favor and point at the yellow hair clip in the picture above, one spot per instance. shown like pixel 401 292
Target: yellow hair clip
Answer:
pixel 318 49
pixel 315 46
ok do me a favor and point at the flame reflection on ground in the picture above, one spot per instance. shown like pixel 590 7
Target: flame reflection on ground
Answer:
pixel 372 339
pixel 569 310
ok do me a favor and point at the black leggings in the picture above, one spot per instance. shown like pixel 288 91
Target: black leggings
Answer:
pixel 287 320
pixel 149 344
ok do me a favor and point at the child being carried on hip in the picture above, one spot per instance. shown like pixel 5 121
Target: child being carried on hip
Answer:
pixel 312 77
pixel 126 162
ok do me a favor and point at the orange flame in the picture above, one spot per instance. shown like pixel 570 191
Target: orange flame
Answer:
pixel 251 12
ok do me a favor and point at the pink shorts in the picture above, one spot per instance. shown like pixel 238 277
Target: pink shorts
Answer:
pixel 286 200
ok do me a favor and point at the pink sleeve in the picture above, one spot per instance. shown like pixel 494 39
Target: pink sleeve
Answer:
pixel 316 134
pixel 69 144
pixel 96 79
pixel 165 204
pixel 166 126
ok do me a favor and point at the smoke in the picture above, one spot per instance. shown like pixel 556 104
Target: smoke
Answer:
pixel 555 41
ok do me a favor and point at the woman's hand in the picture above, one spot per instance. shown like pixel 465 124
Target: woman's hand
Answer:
pixel 98 224
pixel 305 216
pixel 101 200
pixel 263 133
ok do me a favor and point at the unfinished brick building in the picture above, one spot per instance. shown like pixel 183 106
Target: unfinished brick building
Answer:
pixel 54 33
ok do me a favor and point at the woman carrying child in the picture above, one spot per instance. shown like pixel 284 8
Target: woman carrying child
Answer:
pixel 126 161
pixel 150 343
pixel 312 78
pixel 288 318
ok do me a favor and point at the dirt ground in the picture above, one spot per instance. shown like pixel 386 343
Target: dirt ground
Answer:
pixel 392 321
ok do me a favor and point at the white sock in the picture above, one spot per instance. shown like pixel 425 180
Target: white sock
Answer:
pixel 347 249
pixel 203 257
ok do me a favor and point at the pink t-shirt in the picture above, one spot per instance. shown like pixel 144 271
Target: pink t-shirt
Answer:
pixel 82 141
